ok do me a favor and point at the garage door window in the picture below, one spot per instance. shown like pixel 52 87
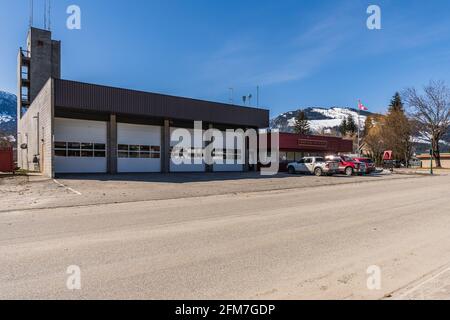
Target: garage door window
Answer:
pixel 80 149
pixel 139 151
pixel 186 153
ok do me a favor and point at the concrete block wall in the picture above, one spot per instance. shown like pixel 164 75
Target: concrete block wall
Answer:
pixel 45 59
pixel 36 130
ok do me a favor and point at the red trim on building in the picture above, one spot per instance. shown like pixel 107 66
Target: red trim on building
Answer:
pixel 291 142
pixel 295 146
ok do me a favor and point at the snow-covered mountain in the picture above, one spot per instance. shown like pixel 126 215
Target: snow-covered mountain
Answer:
pixel 8 111
pixel 320 118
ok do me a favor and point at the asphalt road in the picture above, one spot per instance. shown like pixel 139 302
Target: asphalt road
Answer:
pixel 295 244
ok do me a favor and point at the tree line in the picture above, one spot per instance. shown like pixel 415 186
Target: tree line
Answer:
pixel 411 113
pixel 393 131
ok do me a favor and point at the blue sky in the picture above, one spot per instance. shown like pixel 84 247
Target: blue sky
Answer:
pixel 300 52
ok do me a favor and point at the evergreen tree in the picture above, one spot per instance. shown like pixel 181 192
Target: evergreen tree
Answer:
pixel 343 127
pixel 302 124
pixel 352 127
pixel 396 104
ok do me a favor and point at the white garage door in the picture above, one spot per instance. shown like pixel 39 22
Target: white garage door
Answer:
pixel 227 153
pixel 139 148
pixel 80 146
pixel 196 153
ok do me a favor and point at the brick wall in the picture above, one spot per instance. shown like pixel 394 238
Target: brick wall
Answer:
pixel 38 119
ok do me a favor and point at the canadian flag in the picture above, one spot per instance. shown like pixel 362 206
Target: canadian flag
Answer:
pixel 361 106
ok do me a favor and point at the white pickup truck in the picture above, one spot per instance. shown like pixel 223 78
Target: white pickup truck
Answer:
pixel 314 165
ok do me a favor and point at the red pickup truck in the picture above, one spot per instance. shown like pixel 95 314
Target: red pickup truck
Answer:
pixel 348 166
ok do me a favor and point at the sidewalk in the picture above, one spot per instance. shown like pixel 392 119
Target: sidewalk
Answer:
pixel 422 171
pixel 433 287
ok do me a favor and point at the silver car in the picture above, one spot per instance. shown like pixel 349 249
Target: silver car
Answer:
pixel 314 165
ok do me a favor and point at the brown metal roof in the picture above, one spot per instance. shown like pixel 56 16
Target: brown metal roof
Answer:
pixel 96 98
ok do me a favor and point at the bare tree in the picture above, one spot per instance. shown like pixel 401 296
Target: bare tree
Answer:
pixel 431 111
pixel 373 141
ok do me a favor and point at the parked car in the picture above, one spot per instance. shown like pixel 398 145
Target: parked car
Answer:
pixel 314 165
pixel 391 164
pixel 415 163
pixel 347 165
pixel 370 165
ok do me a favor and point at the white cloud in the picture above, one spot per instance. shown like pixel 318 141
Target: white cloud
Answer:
pixel 244 61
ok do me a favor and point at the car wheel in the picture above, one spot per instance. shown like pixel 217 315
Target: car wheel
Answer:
pixel 349 171
pixel 318 172
pixel 291 170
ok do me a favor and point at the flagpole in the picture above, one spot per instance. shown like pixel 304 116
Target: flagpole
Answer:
pixel 359 125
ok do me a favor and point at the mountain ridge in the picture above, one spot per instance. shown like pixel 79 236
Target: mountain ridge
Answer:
pixel 320 118
pixel 8 115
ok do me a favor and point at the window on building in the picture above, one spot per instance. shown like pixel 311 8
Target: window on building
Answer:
pixel 138 151
pixel 61 153
pixel 186 153
pixel 80 149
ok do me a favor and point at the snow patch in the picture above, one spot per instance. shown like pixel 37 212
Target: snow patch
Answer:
pixel 4 118
pixel 341 114
pixel 335 117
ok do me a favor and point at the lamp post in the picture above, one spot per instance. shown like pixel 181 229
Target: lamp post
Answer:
pixel 359 134
pixel 431 161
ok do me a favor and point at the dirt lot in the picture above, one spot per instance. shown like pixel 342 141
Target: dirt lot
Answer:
pixel 22 193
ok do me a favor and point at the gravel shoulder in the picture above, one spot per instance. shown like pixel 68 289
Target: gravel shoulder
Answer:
pixel 23 193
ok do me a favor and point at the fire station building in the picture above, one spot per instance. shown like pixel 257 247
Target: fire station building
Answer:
pixel 72 127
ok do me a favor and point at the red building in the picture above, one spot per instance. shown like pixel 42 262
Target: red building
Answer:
pixel 293 147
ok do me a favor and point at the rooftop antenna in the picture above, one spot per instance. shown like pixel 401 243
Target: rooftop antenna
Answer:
pixel 31 13
pixel 257 96
pixel 231 95
pixel 49 14
pixel 45 15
